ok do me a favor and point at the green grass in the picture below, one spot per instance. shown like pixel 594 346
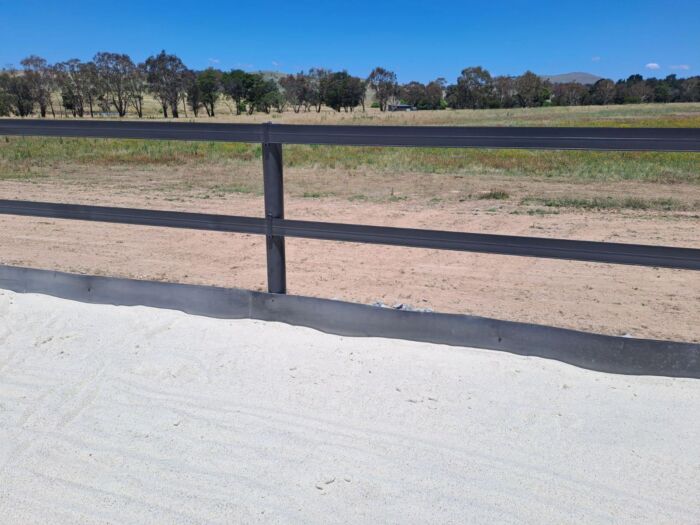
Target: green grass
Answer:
pixel 397 198
pixel 224 189
pixel 29 157
pixel 495 195
pixel 316 194
pixel 112 151
pixel 612 203
pixel 358 198
pixel 26 174
pixel 540 212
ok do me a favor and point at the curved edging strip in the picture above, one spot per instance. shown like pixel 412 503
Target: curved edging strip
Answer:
pixel 592 351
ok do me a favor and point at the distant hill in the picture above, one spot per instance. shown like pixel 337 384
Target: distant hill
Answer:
pixel 581 78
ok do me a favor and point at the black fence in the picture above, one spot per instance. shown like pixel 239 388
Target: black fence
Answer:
pixel 275 227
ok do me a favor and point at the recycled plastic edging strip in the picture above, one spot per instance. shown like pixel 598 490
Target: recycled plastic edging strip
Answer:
pixel 598 352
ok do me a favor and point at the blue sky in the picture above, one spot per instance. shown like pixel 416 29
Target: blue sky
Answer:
pixel 418 40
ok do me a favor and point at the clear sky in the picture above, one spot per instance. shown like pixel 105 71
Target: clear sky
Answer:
pixel 420 40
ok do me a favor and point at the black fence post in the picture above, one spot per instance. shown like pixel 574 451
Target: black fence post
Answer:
pixel 274 209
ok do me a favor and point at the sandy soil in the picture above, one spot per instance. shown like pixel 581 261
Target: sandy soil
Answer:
pixel 619 300
pixel 132 415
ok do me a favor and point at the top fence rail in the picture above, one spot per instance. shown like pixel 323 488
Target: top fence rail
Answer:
pixel 597 139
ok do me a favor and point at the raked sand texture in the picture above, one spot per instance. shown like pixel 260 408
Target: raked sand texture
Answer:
pixel 137 415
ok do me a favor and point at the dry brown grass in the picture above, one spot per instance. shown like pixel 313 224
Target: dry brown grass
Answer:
pixel 634 115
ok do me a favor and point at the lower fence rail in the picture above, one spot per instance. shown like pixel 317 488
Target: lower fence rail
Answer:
pixel 588 251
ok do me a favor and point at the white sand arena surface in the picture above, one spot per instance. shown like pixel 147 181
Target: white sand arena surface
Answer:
pixel 138 415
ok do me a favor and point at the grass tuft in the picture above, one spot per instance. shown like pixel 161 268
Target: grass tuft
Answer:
pixel 495 195
pixel 611 203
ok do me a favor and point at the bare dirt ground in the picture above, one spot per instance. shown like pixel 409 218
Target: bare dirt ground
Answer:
pixel 641 302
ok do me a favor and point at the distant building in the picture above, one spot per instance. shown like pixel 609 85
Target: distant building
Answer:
pixel 401 107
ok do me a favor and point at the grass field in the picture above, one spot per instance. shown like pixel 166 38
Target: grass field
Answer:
pixel 379 173
pixel 634 115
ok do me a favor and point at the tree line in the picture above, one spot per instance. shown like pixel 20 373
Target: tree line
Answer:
pixel 113 84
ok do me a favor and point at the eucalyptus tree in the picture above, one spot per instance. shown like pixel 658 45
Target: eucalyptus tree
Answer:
pixel 17 94
pixel 262 94
pixel 531 90
pixel 137 86
pixel 316 85
pixel 383 83
pixel 343 91
pixel 41 79
pixel 92 88
pixel 296 91
pixel 474 89
pixel 70 76
pixel 193 93
pixel 210 87
pixel 166 80
pixel 603 92
pixel 114 72
pixel 5 98
pixel 235 85
pixel 412 93
pixel 423 96
pixel 435 94
pixel 504 92
pixel 570 94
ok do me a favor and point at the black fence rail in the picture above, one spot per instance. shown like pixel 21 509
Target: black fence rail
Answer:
pixel 603 252
pixel 601 139
pixel 275 227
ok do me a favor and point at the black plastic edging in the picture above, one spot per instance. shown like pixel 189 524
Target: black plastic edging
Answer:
pixel 586 350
